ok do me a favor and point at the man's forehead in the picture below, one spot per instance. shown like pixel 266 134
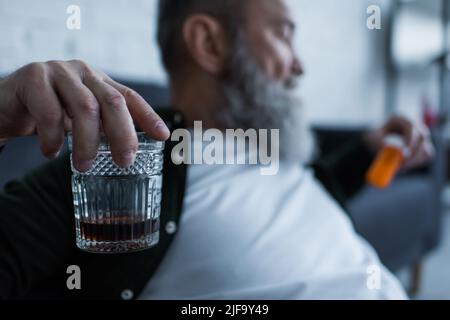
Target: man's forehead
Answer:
pixel 274 9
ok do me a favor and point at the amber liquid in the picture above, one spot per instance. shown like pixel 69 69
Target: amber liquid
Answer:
pixel 117 229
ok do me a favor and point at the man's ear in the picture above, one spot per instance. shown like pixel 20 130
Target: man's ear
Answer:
pixel 205 40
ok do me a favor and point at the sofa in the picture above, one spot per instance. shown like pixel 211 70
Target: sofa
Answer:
pixel 402 222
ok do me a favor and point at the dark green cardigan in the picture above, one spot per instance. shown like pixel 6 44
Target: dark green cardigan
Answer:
pixel 37 232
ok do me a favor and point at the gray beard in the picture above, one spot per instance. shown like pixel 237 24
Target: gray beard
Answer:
pixel 254 101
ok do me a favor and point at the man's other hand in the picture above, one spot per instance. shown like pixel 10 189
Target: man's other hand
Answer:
pixel 417 139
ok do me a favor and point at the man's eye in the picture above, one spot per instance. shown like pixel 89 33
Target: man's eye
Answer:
pixel 286 34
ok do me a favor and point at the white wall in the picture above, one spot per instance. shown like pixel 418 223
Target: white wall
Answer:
pixel 116 36
pixel 344 80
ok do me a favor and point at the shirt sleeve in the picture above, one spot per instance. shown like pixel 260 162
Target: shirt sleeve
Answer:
pixel 36 229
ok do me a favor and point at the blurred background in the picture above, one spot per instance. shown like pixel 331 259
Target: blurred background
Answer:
pixel 355 78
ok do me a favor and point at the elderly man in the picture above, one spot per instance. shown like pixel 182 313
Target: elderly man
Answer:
pixel 234 234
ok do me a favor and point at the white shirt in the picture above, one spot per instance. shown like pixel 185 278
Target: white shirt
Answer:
pixel 247 236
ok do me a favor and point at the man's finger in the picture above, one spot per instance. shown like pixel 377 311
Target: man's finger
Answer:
pixel 67 122
pixel 116 120
pixel 82 116
pixel 146 118
pixel 417 147
pixel 44 106
pixel 423 152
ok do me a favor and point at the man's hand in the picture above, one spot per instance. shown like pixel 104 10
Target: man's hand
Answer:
pixel 55 97
pixel 417 139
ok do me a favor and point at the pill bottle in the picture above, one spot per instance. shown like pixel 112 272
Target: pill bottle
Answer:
pixel 388 162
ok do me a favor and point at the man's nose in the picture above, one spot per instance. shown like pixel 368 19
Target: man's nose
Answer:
pixel 297 67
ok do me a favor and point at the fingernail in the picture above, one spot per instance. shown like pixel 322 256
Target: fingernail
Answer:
pixel 162 128
pixel 127 159
pixel 86 165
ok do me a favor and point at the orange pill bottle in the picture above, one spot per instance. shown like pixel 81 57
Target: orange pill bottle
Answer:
pixel 387 163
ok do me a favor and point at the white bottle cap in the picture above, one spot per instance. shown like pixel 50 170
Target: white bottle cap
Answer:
pixel 398 142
